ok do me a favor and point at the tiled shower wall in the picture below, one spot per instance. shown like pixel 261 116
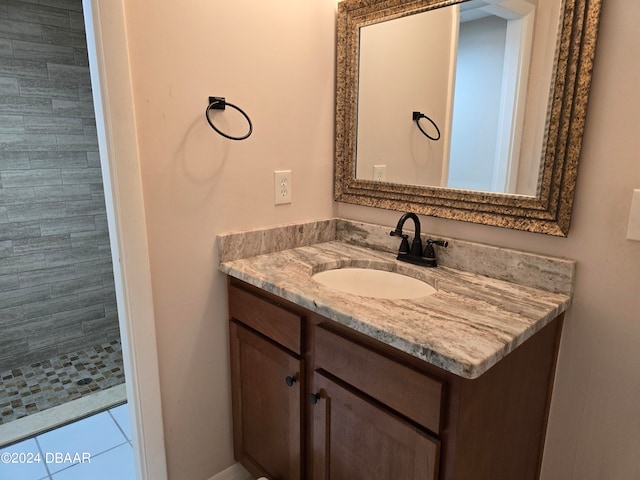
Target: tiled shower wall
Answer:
pixel 56 278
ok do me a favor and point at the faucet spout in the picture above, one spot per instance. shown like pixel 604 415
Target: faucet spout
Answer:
pixel 415 254
pixel 416 245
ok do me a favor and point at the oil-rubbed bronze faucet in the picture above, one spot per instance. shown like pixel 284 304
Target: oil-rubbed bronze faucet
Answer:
pixel 415 254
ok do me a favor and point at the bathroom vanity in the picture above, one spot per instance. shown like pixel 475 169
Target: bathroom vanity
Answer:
pixel 455 385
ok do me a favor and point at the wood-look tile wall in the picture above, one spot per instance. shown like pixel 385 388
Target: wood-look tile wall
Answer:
pixel 56 276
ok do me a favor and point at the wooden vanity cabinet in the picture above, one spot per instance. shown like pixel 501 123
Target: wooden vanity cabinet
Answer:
pixel 360 409
pixel 357 438
pixel 267 386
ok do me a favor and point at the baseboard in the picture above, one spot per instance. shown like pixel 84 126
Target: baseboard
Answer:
pixel 234 472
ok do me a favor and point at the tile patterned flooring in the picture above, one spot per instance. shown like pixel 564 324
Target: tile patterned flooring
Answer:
pixel 97 448
pixel 52 382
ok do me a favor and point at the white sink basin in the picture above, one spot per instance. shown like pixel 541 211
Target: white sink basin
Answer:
pixel 374 283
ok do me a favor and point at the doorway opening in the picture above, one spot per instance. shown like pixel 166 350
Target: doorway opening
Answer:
pixel 58 313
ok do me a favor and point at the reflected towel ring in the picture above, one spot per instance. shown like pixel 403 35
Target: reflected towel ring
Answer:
pixel 219 103
pixel 416 118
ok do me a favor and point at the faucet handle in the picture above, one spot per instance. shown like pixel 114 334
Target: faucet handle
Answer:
pixel 430 253
pixel 441 243
pixel 404 244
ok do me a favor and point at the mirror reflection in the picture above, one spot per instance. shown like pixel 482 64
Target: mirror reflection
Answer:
pixel 482 71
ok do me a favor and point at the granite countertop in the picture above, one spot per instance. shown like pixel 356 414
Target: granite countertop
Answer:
pixel 466 327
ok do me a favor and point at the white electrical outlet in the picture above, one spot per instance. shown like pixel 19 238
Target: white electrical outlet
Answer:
pixel 379 173
pixel 282 186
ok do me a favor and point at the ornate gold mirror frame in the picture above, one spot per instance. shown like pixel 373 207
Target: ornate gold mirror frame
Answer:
pixel 550 211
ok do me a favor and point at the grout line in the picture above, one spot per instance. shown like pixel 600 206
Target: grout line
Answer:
pixel 118 425
pixel 92 457
pixel 42 456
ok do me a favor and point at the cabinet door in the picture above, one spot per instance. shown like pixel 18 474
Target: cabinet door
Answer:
pixel 266 386
pixel 354 439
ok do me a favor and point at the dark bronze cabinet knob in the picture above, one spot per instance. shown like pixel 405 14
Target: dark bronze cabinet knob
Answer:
pixel 290 380
pixel 314 397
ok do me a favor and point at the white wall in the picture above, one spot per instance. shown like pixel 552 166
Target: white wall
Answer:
pixel 276 61
pixel 540 75
pixel 594 427
pixel 401 71
pixel 476 107
pixel 197 184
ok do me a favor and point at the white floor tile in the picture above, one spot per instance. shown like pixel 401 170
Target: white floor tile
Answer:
pixel 121 415
pixel 27 450
pixel 93 435
pixel 114 464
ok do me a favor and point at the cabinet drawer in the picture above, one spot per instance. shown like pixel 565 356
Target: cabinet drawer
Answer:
pixel 401 388
pixel 278 324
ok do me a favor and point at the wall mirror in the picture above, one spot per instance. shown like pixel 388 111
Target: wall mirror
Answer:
pixel 470 110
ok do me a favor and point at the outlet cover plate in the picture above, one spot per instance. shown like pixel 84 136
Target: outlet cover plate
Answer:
pixel 379 173
pixel 282 187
